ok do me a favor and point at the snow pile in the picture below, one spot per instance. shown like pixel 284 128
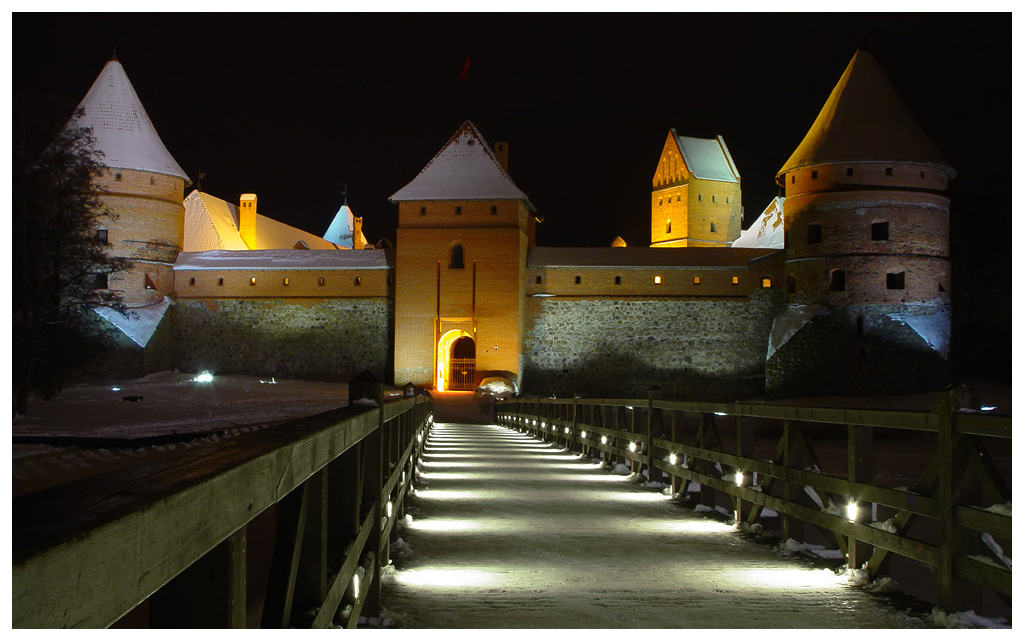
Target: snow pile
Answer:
pixel 887 526
pixel 964 620
pixel 793 547
pixel 1000 509
pixel 141 323
pixel 996 549
pixel 282 260
pixel 933 328
pixel 621 469
pixel 767 230
pixel 634 478
pixel 789 321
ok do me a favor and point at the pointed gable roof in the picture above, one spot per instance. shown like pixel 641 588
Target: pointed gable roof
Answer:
pixel 707 158
pixel 864 119
pixel 465 169
pixel 121 126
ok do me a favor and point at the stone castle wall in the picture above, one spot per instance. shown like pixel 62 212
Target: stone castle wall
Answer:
pixel 332 339
pixel 701 349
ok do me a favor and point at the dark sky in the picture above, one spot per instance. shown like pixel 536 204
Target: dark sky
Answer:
pixel 294 107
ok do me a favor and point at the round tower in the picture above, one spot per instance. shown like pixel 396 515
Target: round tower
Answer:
pixel 867 250
pixel 142 188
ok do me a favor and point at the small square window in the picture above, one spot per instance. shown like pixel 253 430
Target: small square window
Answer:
pixel 619 280
pixel 669 227
pixel 894 280
pixel 713 198
pixel 220 280
pixel 699 197
pixel 494 209
pixel 423 211
pixel 117 176
pixel 459 210
pixel 715 228
pixel 356 281
pixel 660 200
pixel 100 281
pixel 284 281
pixel 101 237
pixel 736 280
pixel 837 281
pixel 677 198
pixel 537 279
pixel 766 282
pixel 850 171
pixel 793 179
pixel 814 174
pixel 577 280
pixel 697 280
pixel 192 281
pixel 814 233
pixel 889 171
pixel 881 231
pixel 727 200
pixel 921 174
pixel 252 280
pixel 658 280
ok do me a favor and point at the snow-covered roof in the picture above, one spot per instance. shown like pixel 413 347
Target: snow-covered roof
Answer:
pixel 121 126
pixel 708 158
pixel 284 260
pixel 643 257
pixel 141 323
pixel 464 169
pixel 341 229
pixel 864 119
pixel 767 231
pixel 211 223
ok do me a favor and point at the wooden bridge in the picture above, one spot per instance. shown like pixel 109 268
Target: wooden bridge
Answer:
pixel 291 526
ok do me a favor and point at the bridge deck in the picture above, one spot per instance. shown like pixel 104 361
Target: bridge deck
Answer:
pixel 509 532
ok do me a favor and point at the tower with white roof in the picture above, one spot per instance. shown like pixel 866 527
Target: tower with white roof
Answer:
pixel 462 239
pixel 142 188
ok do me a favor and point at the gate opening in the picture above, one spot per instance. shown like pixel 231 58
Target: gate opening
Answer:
pixel 457 362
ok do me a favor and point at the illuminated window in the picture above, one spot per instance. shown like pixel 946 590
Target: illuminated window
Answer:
pixel 537 279
pixel 715 228
pixel 356 281
pixel 889 171
pixel 736 280
pixel 252 281
pixel 456 262
pixel 101 237
pixel 577 280
pixel 459 210
pixel 220 281
pixel 814 174
pixel 284 281
pixel 814 233
pixel 658 280
pixel 320 280
pixel 766 282
pixel 619 280
pixel 894 280
pixel 837 281
pixel 881 231
pixel 697 280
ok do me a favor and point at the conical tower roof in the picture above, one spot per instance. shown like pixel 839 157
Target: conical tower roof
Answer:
pixel 864 120
pixel 340 231
pixel 464 169
pixel 121 126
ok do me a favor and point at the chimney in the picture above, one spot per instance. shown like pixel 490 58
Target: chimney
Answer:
pixel 247 220
pixel 502 154
pixel 357 232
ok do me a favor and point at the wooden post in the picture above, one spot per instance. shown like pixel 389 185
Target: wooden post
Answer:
pixel 707 494
pixel 374 468
pixel 859 469
pixel 209 594
pixel 945 497
pixel 290 521
pixel 311 578
pixel 745 448
pixel 792 528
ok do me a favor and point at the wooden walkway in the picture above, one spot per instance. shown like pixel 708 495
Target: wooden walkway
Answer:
pixel 509 532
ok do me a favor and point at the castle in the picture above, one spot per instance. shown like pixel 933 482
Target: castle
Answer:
pixel 840 287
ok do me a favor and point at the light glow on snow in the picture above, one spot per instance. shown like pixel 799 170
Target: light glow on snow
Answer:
pixel 787 578
pixel 448 577
pixel 204 377
pixel 447 494
pixel 446 525
pixel 686 526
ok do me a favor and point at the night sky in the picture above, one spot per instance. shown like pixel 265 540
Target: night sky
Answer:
pixel 295 107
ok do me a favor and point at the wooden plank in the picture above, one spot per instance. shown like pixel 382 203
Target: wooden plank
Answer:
pixel 945 516
pixel 290 526
pixel 983 521
pixel 982 425
pixel 336 591
pixel 995 577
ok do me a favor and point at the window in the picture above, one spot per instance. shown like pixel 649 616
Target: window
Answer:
pixel 577 280
pixel 889 171
pixel 537 279
pixel 659 200
pixel 151 181
pixel 697 280
pixel 677 198
pixel 149 282
pixel 619 280
pixel 284 281
pixel 117 176
pixel 727 200
pixel 699 197
pixel 793 179
pixel 715 228
pixel 220 281
pixel 766 282
pixel 791 285
pixel 101 237
pixel 192 281
pixel 456 262
pixel 252 280
pixel 669 227
pixel 494 209
pixel 894 280
pixel 391 279
pixel 658 280
pixel 814 174
pixel 713 198
pixel 881 231
pixel 459 210
pixel 942 289
pixel 100 281
pixel 814 233
pixel 850 171
pixel 921 174
pixel 356 281
pixel 837 281
pixel 423 211
pixel 736 280
pixel 320 280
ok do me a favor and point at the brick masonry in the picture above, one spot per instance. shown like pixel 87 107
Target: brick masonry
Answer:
pixel 691 348
pixel 332 339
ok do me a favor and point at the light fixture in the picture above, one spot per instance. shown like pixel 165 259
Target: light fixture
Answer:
pixel 721 414
pixel 567 431
pixel 355 588
pixel 116 389
pixel 672 459
pixel 204 377
pixel 987 408
pixel 739 478
pixel 583 434
pixel 633 447
pixel 852 511
pixel 604 439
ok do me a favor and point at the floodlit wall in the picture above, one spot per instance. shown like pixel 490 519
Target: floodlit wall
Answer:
pixel 692 348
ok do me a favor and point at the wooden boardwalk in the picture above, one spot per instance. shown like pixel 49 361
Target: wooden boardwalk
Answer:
pixel 509 532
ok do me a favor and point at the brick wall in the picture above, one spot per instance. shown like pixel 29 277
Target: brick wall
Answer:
pixel 279 283
pixel 691 348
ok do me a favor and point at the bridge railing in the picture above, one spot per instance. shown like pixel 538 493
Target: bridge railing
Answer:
pixel 179 539
pixel 947 507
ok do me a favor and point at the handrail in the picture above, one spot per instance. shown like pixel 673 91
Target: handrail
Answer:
pixel 653 428
pixel 86 554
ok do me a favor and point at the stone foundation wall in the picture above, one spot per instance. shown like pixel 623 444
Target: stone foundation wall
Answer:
pixel 830 356
pixel 330 339
pixel 690 348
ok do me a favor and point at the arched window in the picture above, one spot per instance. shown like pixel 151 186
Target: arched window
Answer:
pixel 456 260
pixel 837 281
